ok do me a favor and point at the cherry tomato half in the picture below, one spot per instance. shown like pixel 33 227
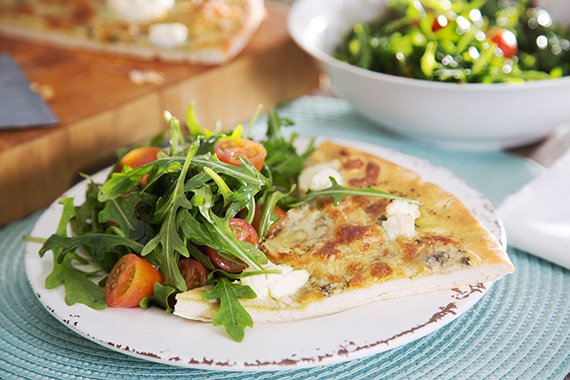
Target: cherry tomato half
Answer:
pixel 278 211
pixel 138 157
pixel 243 231
pixel 131 279
pixel 230 151
pixel 506 41
pixel 194 273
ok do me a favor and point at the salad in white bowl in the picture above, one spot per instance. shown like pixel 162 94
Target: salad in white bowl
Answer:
pixel 465 75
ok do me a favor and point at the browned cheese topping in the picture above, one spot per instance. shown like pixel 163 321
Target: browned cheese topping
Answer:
pixel 345 246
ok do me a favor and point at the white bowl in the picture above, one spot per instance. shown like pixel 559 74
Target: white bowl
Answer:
pixel 461 116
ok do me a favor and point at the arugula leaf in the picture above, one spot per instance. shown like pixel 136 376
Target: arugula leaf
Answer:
pixel 61 232
pixel 268 217
pixel 118 211
pixel 243 173
pixel 192 229
pixel 200 257
pixel 218 235
pixel 78 286
pixel 156 140
pixel 338 192
pixel 98 244
pixel 224 241
pixel 192 121
pixel 243 198
pixel 198 180
pixel 161 298
pixel 231 314
pixel 121 183
pixel 126 213
pixel 203 199
pixel 86 220
pixel 67 214
pixel 176 137
pixel 222 186
pixel 283 160
pixel 253 120
pixel 167 244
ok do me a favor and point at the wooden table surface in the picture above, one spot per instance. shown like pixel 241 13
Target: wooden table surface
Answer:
pixel 100 109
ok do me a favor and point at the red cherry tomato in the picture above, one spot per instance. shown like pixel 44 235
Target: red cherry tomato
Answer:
pixel 194 273
pixel 439 22
pixel 278 211
pixel 243 231
pixel 131 279
pixel 230 151
pixel 506 41
pixel 139 157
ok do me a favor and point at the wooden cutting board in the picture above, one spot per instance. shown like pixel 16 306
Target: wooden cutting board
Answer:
pixel 100 109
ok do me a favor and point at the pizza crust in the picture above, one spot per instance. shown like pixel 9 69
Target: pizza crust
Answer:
pixel 189 304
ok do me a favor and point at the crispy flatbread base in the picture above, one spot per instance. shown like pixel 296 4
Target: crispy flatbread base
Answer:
pixel 451 248
pixel 209 44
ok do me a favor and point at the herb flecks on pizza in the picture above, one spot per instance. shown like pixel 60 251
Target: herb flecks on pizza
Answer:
pixel 203 31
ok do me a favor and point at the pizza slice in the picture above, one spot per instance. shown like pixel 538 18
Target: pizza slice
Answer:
pixel 202 31
pixel 335 257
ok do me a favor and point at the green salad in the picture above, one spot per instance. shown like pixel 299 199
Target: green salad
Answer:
pixel 192 214
pixel 462 41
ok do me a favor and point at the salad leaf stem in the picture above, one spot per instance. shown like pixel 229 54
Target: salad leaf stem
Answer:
pixel 246 252
pixel 167 242
pixel 176 137
pixel 242 173
pixel 222 186
pixel 268 217
pixel 231 314
pixel 253 120
pixel 33 239
pixel 338 192
pixel 192 121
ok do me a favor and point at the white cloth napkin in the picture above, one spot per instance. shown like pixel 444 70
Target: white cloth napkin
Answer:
pixel 537 217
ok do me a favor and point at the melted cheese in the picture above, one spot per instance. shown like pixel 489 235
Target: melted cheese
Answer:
pixel 401 216
pixel 365 240
pixel 317 177
pixel 276 285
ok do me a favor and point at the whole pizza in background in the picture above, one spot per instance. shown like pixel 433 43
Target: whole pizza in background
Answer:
pixel 199 31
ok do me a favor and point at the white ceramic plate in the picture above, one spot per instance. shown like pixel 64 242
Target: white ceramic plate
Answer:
pixel 157 336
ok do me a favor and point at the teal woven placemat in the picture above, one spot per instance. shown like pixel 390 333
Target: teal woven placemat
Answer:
pixel 519 330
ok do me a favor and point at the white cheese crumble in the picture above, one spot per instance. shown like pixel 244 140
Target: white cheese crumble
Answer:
pixel 168 35
pixel 316 177
pixel 276 285
pixel 401 218
pixel 140 10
